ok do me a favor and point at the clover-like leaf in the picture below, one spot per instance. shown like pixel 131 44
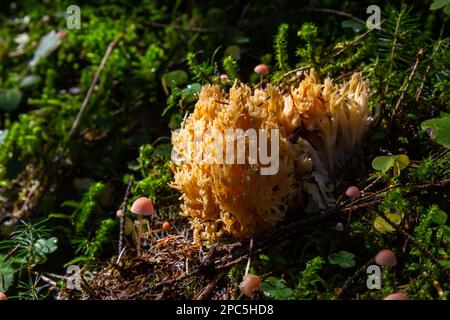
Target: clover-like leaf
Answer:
pixel 342 258
pixel 400 162
pixel 437 4
pixel 382 226
pixel 275 288
pixel 6 274
pixel 173 78
pixel 438 129
pixel 439 217
pixel 384 163
pixel 10 99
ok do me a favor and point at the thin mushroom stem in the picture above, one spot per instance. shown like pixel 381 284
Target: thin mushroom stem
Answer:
pixel 149 230
pixel 250 248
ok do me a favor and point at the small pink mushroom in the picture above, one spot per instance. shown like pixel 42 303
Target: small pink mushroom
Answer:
pixel 223 77
pixel 262 69
pixel 166 225
pixel 339 227
pixel 353 192
pixel 397 296
pixel 3 296
pixel 120 213
pixel 250 285
pixel 386 258
pixel 142 207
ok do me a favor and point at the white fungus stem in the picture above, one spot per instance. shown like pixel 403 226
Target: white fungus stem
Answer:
pixel 250 248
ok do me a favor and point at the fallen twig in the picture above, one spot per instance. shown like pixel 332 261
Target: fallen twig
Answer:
pixel 207 292
pixel 123 207
pixel 352 279
pixel 408 82
pixel 106 56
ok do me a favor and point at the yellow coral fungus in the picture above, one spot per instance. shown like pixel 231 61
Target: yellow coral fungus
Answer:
pixel 311 130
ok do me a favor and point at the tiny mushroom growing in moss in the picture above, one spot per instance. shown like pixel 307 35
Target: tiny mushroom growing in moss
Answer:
pixel 166 225
pixel 397 296
pixel 262 69
pixel 339 227
pixel 142 207
pixel 223 77
pixel 3 296
pixel 386 258
pixel 250 285
pixel 120 213
pixel 353 192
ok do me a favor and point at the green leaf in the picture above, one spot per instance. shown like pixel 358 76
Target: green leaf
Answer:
pixel 190 93
pixel 44 247
pixel 438 129
pixel 275 288
pixel 233 51
pixel 445 232
pixel 383 163
pixel 437 4
pixel 382 226
pixel 69 203
pixel 30 80
pixel 6 274
pixel 439 217
pixel 3 134
pixel 447 9
pixel 400 162
pixel 59 216
pixel 342 258
pixel 10 99
pixel 173 79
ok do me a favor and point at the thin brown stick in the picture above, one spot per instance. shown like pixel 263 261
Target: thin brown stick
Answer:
pixel 352 279
pixel 435 50
pixel 355 41
pixel 12 251
pixel 106 56
pixel 408 82
pixel 207 292
pixel 123 207
pixel 336 12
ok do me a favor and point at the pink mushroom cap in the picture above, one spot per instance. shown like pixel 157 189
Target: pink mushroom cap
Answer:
pixel 386 258
pixel 143 206
pixel 397 296
pixel 353 192
pixel 262 69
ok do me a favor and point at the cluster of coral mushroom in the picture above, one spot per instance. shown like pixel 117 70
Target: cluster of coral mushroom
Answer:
pixel 320 126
